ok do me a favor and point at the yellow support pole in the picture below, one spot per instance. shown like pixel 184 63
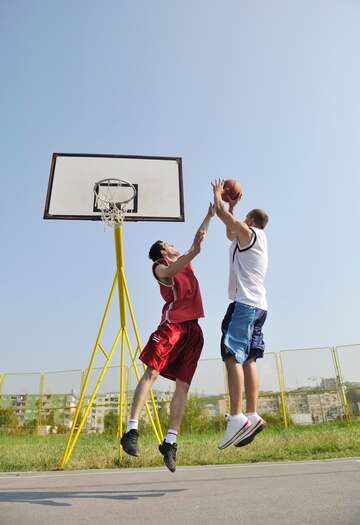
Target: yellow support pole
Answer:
pixel 41 394
pixel 126 290
pixel 120 278
pixel 282 389
pixel 340 385
pixel 122 394
pixel 120 270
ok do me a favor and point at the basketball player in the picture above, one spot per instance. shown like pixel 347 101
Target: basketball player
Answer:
pixel 174 349
pixel 242 338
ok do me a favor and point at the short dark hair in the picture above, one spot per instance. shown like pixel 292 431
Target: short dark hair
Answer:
pixel 155 250
pixel 260 217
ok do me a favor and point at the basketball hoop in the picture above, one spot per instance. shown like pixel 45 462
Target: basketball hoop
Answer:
pixel 112 196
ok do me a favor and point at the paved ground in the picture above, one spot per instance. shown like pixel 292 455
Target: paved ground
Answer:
pixel 314 492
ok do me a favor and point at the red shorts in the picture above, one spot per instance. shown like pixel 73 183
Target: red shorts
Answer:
pixel 174 350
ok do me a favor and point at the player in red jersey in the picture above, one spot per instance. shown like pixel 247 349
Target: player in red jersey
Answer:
pixel 174 349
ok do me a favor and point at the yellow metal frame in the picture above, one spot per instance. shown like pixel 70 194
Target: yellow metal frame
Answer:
pixel 41 395
pixel 122 337
pixel 282 389
pixel 340 385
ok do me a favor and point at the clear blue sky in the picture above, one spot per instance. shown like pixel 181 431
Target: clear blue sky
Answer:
pixel 266 92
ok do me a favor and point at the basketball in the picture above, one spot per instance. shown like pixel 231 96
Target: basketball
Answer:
pixel 232 190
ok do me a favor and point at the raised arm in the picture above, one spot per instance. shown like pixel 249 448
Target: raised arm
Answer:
pixel 167 272
pixel 205 223
pixel 229 233
pixel 234 227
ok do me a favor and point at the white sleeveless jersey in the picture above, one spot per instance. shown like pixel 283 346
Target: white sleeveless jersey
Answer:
pixel 248 267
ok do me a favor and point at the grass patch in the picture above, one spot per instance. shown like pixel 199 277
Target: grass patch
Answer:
pixel 325 441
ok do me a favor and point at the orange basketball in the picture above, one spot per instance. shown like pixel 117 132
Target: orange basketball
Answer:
pixel 232 190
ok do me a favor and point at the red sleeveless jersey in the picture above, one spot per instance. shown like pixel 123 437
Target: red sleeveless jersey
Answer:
pixel 182 298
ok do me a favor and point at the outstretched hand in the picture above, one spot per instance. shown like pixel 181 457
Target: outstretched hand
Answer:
pixel 218 187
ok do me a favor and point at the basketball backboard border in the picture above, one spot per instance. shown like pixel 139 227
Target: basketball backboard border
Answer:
pixel 55 156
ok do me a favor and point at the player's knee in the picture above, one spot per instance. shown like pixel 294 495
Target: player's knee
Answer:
pixel 181 385
pixel 151 373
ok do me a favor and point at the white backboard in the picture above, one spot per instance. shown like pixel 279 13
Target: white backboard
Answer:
pixel 158 183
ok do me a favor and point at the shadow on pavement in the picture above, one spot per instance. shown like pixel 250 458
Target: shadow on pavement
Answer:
pixel 48 498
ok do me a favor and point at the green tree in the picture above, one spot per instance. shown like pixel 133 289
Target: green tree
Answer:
pixel 8 420
pixel 111 423
pixel 49 419
pixel 29 427
pixel 195 417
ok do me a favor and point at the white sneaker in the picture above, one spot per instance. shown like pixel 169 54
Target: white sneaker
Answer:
pixel 256 426
pixel 236 427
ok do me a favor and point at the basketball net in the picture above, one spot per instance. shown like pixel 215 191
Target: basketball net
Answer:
pixel 112 213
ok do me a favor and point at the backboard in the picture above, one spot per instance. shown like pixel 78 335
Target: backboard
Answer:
pixel 158 182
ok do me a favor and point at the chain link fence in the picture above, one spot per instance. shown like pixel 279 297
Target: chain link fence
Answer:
pixel 297 386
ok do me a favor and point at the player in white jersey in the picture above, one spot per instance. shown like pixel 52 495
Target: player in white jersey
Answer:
pixel 242 338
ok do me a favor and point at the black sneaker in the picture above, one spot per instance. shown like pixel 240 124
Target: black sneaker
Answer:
pixel 168 450
pixel 129 442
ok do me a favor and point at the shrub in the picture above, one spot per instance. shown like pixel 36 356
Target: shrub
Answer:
pixel 111 422
pixel 275 420
pixel 195 417
pixel 8 419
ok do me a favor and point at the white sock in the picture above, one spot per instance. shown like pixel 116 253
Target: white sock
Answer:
pixel 171 436
pixel 133 424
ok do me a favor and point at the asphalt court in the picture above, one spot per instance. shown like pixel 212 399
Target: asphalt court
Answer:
pixel 311 492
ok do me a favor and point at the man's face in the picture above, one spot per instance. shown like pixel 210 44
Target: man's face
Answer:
pixel 170 250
